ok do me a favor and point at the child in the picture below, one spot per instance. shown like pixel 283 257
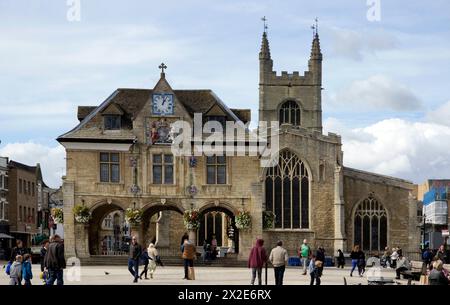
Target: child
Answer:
pixel 27 274
pixel 312 269
pixel 16 271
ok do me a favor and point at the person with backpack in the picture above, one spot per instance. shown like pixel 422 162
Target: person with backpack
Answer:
pixel 55 261
pixel 304 253
pixel 134 255
pixel 15 272
pixel 27 274
pixel 256 260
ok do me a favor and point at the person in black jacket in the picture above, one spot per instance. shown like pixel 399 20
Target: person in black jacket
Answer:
pixel 145 259
pixel 133 258
pixel 54 261
pixel 19 249
pixel 44 249
pixel 320 256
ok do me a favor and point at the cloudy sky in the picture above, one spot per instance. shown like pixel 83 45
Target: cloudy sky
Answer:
pixel 386 81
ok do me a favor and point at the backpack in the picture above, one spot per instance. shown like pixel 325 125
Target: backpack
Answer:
pixel 8 268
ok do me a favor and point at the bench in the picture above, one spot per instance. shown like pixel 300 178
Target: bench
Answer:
pixel 415 272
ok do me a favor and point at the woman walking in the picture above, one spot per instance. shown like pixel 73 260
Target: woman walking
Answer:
pixel 340 259
pixel 355 255
pixel 256 260
pixel 153 255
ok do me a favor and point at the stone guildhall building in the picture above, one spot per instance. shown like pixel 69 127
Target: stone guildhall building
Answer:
pixel 119 156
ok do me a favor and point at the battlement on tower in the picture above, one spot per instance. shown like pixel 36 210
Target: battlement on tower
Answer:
pixel 293 79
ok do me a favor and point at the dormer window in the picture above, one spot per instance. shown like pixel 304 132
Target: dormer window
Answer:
pixel 222 120
pixel 112 122
pixel 290 113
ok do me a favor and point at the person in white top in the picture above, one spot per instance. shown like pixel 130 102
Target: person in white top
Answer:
pixel 152 254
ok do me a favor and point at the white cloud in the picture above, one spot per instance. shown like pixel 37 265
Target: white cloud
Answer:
pixel 51 159
pixel 412 150
pixel 441 115
pixel 377 92
pixel 354 45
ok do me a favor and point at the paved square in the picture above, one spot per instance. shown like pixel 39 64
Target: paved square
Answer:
pixel 119 275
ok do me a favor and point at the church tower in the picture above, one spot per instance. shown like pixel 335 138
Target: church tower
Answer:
pixel 291 98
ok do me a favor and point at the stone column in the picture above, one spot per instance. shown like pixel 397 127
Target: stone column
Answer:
pixel 339 214
pixel 82 240
pixel 68 189
pixel 162 230
pixel 255 206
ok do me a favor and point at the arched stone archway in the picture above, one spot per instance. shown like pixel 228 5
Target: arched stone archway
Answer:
pixel 218 220
pixel 99 211
pixel 162 224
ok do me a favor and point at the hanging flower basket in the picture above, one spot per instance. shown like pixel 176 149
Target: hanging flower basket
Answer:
pixel 82 214
pixel 243 220
pixel 268 219
pixel 58 215
pixel 133 216
pixel 191 219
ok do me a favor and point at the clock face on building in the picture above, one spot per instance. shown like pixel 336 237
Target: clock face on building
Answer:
pixel 162 104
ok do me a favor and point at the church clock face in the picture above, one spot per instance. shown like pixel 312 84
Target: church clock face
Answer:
pixel 162 104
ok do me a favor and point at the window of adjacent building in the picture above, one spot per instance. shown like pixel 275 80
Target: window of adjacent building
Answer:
pixel 162 169
pixel 112 122
pixel 370 225
pixel 109 167
pixel 2 210
pixel 32 189
pixel 290 113
pixel 5 182
pixel 216 170
pixel 29 215
pixel 1 181
pixel 20 186
pixel 287 192
pixel 32 215
pixel 29 187
pixel 20 213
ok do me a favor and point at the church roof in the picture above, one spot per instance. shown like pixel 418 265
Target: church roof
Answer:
pixel 131 101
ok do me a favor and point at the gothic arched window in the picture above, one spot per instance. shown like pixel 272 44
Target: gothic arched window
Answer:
pixel 287 192
pixel 370 225
pixel 290 113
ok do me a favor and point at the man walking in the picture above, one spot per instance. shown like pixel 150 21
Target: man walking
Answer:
pixel 304 253
pixel 54 261
pixel 133 258
pixel 279 257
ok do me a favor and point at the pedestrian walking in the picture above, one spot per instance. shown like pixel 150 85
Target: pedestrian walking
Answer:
pixel 183 239
pixel 361 263
pixel 144 260
pixel 15 273
pixel 189 254
pixel 256 260
pixel 42 253
pixel 27 274
pixel 279 257
pixel 154 258
pixel 133 258
pixel 54 261
pixel 320 261
pixel 304 254
pixel 340 259
pixel 312 269
pixel 354 255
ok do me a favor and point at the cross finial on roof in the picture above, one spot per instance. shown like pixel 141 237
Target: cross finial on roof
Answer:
pixel 264 19
pixel 162 66
pixel 315 27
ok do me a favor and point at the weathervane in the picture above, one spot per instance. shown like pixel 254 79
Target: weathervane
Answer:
pixel 162 66
pixel 315 27
pixel 264 19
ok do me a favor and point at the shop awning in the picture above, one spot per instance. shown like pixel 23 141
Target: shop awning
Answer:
pixel 3 235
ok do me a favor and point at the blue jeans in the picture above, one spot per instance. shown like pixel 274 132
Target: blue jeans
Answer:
pixel 354 265
pixel 133 267
pixel 55 275
pixel 187 263
pixel 279 274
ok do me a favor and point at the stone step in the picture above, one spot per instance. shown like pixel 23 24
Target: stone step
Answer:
pixel 103 260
